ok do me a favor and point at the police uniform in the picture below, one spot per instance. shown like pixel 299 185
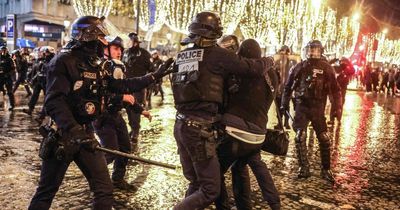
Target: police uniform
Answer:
pixel 39 83
pixel 112 130
pixel 137 62
pixel 76 90
pixel 245 118
pixel 198 87
pixel 311 81
pixel 7 67
pixel 22 66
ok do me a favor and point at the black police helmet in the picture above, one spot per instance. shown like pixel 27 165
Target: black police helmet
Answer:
pixel 3 48
pixel 229 42
pixel 310 52
pixel 88 28
pixel 15 52
pixel 250 49
pixel 206 24
pixel 116 41
pixel 134 37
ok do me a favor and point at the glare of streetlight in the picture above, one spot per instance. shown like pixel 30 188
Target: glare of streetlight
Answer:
pixel 316 3
pixel 356 16
pixel 67 23
pixel 168 35
pixel 385 31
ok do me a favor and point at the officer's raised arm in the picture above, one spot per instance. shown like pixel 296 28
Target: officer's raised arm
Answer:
pixel 232 63
pixel 134 84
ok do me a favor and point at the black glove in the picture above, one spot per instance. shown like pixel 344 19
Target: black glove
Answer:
pixel 80 137
pixel 163 70
pixel 78 134
pixel 90 144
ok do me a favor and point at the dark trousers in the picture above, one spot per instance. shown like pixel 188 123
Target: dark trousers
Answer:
pixel 7 81
pixel 113 134
pixel 241 178
pixel 202 173
pixel 232 151
pixel 93 167
pixel 134 118
pixel 311 112
pixel 40 86
pixel 21 80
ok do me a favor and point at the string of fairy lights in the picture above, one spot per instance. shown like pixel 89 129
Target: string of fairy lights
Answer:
pixel 271 22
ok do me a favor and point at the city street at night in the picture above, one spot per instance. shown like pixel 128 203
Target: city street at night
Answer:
pixel 365 161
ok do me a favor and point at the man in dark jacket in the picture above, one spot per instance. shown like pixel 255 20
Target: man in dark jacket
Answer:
pixel 137 62
pixel 245 118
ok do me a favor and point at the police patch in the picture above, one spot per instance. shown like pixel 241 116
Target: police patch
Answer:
pixel 90 108
pixel 317 71
pixel 78 84
pixel 89 75
pixel 189 56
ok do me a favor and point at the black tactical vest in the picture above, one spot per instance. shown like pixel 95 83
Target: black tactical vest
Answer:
pixel 194 80
pixel 311 82
pixel 88 93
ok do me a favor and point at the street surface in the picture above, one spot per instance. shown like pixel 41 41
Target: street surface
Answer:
pixel 365 160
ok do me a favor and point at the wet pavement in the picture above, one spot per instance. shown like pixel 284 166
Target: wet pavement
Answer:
pixel 365 160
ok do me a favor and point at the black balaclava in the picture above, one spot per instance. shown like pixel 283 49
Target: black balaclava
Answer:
pixel 250 49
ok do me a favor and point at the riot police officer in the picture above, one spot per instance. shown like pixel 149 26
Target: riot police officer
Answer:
pixel 22 69
pixel 343 72
pixel 39 80
pixel 110 126
pixel 311 81
pixel 137 62
pixel 76 89
pixel 7 68
pixel 198 87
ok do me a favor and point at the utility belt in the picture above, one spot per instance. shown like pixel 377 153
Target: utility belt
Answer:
pixel 209 137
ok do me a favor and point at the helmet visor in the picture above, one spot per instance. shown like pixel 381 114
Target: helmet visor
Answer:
pixel 313 52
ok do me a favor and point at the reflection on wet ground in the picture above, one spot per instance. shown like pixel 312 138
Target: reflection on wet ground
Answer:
pixel 365 159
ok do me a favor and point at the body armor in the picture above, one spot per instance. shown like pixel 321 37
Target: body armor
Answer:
pixel 89 93
pixel 310 82
pixel 193 81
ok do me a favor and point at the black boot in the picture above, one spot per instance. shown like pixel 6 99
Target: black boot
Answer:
pixel 27 111
pixel 301 149
pixel 123 185
pixel 325 152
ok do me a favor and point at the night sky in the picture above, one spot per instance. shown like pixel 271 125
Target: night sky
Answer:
pixel 376 14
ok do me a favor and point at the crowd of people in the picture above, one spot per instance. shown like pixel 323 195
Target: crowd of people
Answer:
pixel 222 90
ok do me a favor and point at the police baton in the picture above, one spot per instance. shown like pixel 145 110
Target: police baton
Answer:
pixel 290 116
pixel 133 157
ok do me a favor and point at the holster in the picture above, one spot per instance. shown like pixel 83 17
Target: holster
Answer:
pixel 207 146
pixel 49 143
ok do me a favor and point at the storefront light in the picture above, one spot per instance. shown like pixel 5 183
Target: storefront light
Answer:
pixel 67 23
